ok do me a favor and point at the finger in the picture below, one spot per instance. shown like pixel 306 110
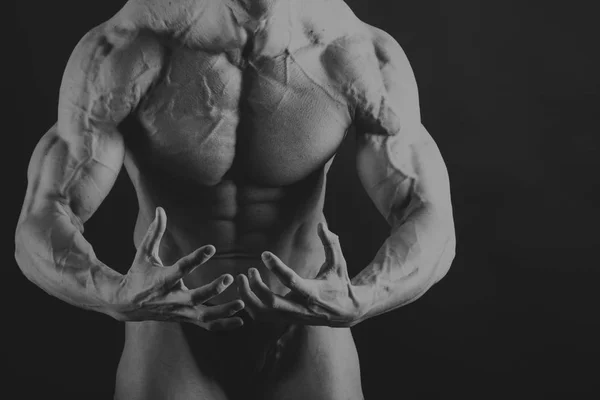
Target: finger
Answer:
pixel 205 293
pixel 192 316
pixel 196 258
pixel 331 243
pixel 258 287
pixel 250 299
pixel 187 264
pixel 285 274
pixel 222 311
pixel 156 230
pixel 284 308
pixel 226 324
pixel 272 300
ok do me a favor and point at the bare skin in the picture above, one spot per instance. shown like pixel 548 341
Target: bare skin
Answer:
pixel 226 116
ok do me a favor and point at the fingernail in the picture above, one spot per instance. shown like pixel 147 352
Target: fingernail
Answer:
pixel 227 280
pixel 266 256
pixel 208 251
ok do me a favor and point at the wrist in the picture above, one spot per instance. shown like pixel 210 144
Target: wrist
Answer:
pixel 107 286
pixel 363 299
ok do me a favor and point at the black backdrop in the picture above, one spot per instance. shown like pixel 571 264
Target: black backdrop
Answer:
pixel 508 89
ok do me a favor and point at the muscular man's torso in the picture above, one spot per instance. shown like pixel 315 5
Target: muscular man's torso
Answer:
pixel 235 137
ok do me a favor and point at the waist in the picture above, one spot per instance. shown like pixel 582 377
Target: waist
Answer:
pixel 296 243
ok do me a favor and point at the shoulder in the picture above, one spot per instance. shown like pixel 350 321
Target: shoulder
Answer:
pixel 386 47
pixel 395 68
pixel 327 20
pixel 108 71
pixel 377 79
pixel 160 15
pixel 375 76
pixel 114 54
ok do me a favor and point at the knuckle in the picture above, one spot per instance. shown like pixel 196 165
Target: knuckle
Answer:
pixel 177 269
pixel 160 283
pixel 217 289
pixel 310 301
pixel 212 327
pixel 152 258
pixel 253 314
pixel 270 300
pixel 221 287
pixel 231 311
pixel 189 301
pixel 292 281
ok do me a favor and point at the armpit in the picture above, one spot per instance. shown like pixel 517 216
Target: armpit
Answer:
pixel 376 116
pixel 369 94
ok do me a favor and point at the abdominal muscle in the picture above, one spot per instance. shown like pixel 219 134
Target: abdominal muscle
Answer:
pixel 241 221
pixel 242 215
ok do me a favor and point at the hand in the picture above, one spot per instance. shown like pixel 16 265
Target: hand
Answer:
pixel 330 299
pixel 152 291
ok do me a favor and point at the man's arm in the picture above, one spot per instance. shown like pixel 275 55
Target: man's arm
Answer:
pixel 404 174
pixel 76 162
pixel 73 168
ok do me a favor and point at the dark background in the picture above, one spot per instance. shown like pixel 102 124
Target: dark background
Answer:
pixel 509 90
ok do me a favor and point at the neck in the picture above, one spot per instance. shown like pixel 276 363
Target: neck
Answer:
pixel 255 9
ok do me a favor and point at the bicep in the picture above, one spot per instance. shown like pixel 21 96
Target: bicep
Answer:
pixel 106 76
pixel 76 162
pixel 73 174
pixel 398 161
pixel 402 173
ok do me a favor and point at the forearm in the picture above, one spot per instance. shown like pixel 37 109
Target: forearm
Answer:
pixel 52 253
pixel 416 255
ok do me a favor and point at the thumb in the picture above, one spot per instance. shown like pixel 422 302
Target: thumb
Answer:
pixel 156 230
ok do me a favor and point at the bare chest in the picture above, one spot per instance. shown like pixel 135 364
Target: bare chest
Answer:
pixel 273 120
